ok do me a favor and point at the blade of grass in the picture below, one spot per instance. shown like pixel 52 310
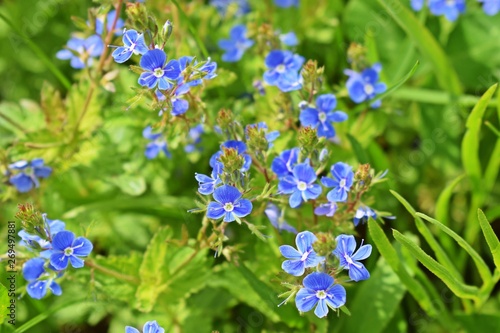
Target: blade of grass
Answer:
pixel 192 30
pixel 490 236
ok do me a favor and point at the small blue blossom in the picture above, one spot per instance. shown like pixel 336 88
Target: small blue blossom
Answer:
pixel 301 185
pixel 302 258
pixel 283 164
pixel 25 180
pixel 228 204
pixel 451 9
pixel 208 69
pixel 110 18
pixel 240 147
pixel 236 45
pixel 133 44
pixel 491 7
pixel 275 216
pixel 158 144
pixel 364 86
pixel 157 71
pixel 320 288
pixel 34 272
pixel 283 67
pixel 194 138
pixel 208 184
pixel 66 248
pixel 52 227
pixel 323 115
pixel 417 4
pixel 270 137
pixel 81 51
pixel 289 39
pixel 362 215
pixel 242 6
pixel 344 252
pixel 341 182
pixel 286 3
pixel 179 104
pixel 149 327
pixel 327 209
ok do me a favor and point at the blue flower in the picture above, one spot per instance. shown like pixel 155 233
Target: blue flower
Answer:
pixel 236 45
pixel 286 3
pixel 341 182
pixel 283 164
pixel 450 9
pixel 25 180
pixel 320 288
pixel 110 18
pixel 491 7
pixel 208 69
pixel 344 251
pixel 289 39
pixel 362 215
pixel 194 138
pixel 365 86
pixel 417 4
pixel 133 44
pixel 240 147
pixel 327 209
pixel 228 204
pixel 149 327
pixel 300 185
pixel 275 216
pixel 302 258
pixel 242 6
pixel 207 184
pixel 158 144
pixel 283 67
pixel 157 71
pixel 270 137
pixel 52 227
pixel 34 272
pixel 81 51
pixel 323 115
pixel 66 248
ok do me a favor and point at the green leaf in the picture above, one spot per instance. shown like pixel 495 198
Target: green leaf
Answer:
pixel 361 155
pixel 427 44
pixel 131 185
pixel 483 269
pixel 478 322
pixel 152 275
pixel 192 30
pixel 4 303
pixel 491 237
pixel 458 288
pixel 493 166
pixel 443 202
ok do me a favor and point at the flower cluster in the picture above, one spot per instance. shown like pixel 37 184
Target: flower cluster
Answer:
pixel 57 249
pixel 318 289
pixel 149 327
pixel 365 86
pixel 322 115
pixel 235 46
pixel 283 70
pixel 24 175
pixel 452 9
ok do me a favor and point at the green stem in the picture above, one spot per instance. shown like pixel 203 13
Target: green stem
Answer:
pixel 111 272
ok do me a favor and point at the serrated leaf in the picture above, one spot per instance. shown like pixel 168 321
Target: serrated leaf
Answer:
pixel 53 108
pixel 490 236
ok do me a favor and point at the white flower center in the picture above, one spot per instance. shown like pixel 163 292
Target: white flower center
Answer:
pixel 348 259
pixel 229 207
pixel 321 294
pixel 369 89
pixel 322 117
pixel 305 255
pixel 280 68
pixel 158 72
pixel 342 182
pixel 302 186
pixel 68 251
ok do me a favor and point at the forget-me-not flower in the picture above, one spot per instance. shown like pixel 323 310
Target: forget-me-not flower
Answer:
pixel 158 71
pixel 228 204
pixel 350 259
pixel 133 43
pixel 301 185
pixel 323 115
pixel 275 216
pixel 207 184
pixel 301 258
pixel 110 18
pixel 65 248
pixel 240 147
pixel 283 164
pixel 52 227
pixel 158 144
pixel 29 173
pixel 451 9
pixel 341 182
pixel 34 272
pixel 327 209
pixel 491 7
pixel 81 51
pixel 149 327
pixel 320 288
pixel 242 6
pixel 286 3
pixel 362 214
pixel 365 86
pixel 283 67
pixel 236 45
pixel 289 39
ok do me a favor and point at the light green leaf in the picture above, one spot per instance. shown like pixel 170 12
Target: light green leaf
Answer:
pixel 459 289
pixel 443 202
pixel 4 303
pixel 483 269
pixel 131 185
pixel 491 237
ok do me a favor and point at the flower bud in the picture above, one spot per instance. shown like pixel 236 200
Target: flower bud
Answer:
pixel 166 31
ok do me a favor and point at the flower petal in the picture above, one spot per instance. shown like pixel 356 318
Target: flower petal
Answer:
pixel 59 260
pixel 336 296
pixel 358 272
pixel 243 208
pixel 82 247
pixel 293 267
pixel 55 288
pixel 318 281
pixel 305 299
pixel 227 194
pixel 153 59
pixel 321 309
pixel 289 252
pixel 33 268
pixel 63 240
pixel 304 241
pixel 215 210
pixel 295 199
pixel 362 253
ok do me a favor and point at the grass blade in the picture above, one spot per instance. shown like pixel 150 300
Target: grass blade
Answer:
pixel 491 237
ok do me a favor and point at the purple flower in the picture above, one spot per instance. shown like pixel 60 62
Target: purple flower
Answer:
pixel 341 182
pixel 320 288
pixel 81 51
pixel 66 248
pixel 275 216
pixel 362 215
pixel 228 204
pixel 283 164
pixel 344 251
pixel 327 209
pixel 365 86
pixel 300 185
pixel 157 71
pixel 236 45
pixel 149 327
pixel 207 184
pixel 133 44
pixel 323 115
pixel 110 18
pixel 283 67
pixel 451 9
pixel 302 258
pixel 158 144
pixel 34 272
pixel 491 7
pixel 28 178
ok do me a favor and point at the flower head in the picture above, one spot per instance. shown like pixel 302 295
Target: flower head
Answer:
pixel 66 248
pixel 240 147
pixel 283 67
pixel 491 7
pixel 81 51
pixel 302 258
pixel 236 45
pixel 323 115
pixel 133 43
pixel 362 215
pixel 25 180
pixel 327 209
pixel 52 227
pixel 451 9
pixel 301 185
pixel 319 288
pixel 365 86
pixel 158 71
pixel 283 164
pixel 207 184
pixel 275 216
pixel 289 39
pixel 228 204
pixel 350 260
pixel 149 327
pixel 158 143
pixel 341 182
pixel 34 272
